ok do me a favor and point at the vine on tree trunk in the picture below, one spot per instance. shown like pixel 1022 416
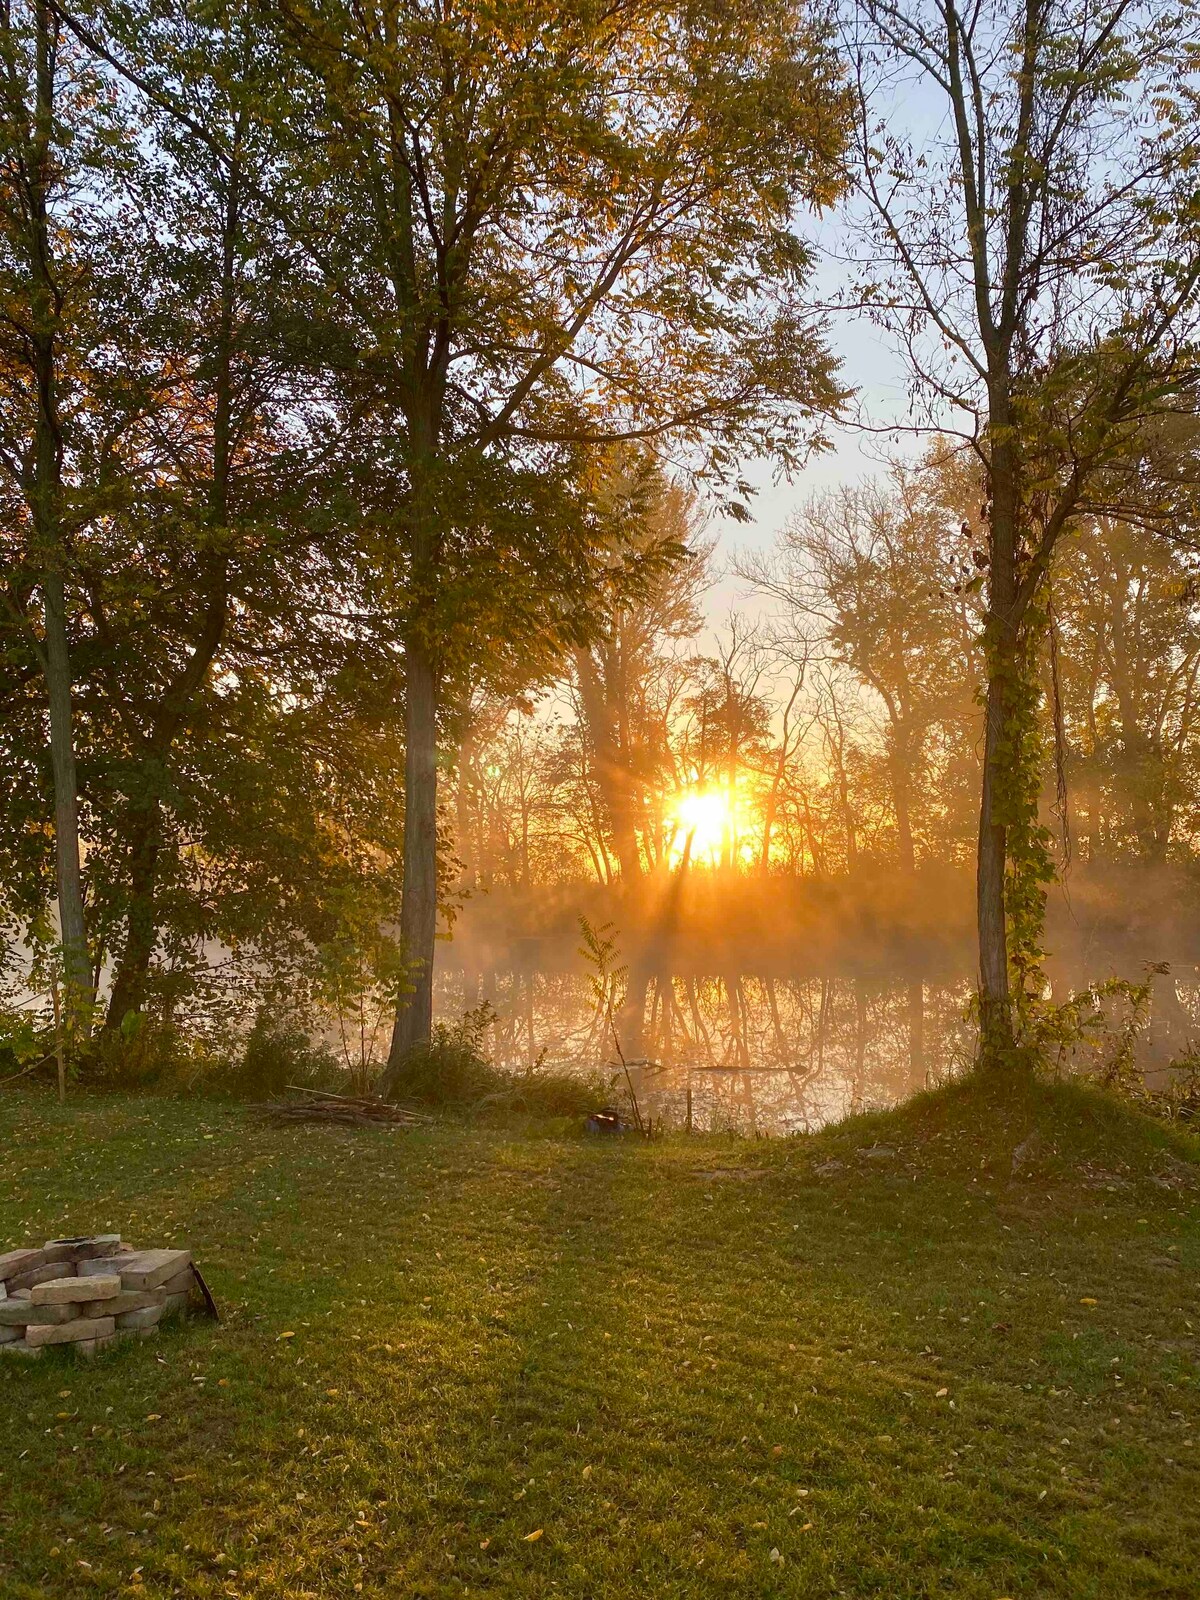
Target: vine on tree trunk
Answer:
pixel 1029 864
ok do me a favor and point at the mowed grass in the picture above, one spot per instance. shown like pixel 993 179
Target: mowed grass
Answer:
pixel 533 1364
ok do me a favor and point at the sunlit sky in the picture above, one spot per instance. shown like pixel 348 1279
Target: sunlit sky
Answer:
pixel 871 366
pixel 875 370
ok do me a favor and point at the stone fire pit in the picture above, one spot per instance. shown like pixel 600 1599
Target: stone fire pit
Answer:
pixel 89 1292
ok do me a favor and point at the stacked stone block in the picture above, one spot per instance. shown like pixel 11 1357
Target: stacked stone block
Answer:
pixel 87 1293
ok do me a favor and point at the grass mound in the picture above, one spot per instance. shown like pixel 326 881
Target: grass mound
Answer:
pixel 1032 1132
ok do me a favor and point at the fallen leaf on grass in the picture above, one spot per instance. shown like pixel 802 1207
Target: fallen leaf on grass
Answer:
pixel 483 1543
pixel 288 1335
pixel 1086 1300
pixel 536 1534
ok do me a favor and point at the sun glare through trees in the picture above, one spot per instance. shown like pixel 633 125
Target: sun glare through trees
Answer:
pixel 703 824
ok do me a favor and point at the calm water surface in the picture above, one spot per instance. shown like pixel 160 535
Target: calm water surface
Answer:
pixel 759 1055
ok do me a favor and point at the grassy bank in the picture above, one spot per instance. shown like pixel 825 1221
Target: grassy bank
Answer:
pixel 870 1362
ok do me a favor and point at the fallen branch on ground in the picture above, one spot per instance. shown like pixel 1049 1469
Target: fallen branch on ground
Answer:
pixel 348 1110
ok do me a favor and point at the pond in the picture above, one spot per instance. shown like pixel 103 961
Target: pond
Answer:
pixel 754 1053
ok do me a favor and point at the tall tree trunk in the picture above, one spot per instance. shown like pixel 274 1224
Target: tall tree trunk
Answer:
pixel 601 699
pixel 46 319
pixel 68 876
pixel 128 991
pixel 418 908
pixel 995 997
pixel 901 764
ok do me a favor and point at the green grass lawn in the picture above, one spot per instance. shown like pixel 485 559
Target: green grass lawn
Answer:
pixel 471 1361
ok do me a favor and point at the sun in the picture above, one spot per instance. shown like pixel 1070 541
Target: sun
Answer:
pixel 702 819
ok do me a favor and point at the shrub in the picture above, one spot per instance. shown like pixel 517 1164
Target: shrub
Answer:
pixel 453 1070
pixel 147 1052
pixel 278 1052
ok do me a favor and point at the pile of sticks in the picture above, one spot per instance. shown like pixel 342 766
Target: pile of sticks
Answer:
pixel 318 1105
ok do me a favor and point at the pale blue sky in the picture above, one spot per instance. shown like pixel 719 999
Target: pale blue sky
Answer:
pixel 875 369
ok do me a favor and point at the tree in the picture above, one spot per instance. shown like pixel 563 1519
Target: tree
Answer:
pixel 1126 606
pixel 621 676
pixel 544 225
pixel 1040 264
pixel 213 548
pixel 727 723
pixel 876 569
pixel 55 117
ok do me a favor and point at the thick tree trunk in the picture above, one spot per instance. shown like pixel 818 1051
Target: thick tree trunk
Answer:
pixel 601 700
pixel 995 997
pixel 901 765
pixel 904 837
pixel 418 910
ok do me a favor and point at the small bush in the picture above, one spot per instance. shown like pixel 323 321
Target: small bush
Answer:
pixel 279 1052
pixel 453 1070
pixel 147 1052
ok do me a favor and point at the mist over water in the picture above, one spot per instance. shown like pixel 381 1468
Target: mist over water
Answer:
pixel 776 1007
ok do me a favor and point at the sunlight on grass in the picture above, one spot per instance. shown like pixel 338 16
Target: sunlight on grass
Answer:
pixel 848 1375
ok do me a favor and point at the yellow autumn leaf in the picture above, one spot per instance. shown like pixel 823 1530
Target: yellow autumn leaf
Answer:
pixel 536 1534
pixel 1086 1300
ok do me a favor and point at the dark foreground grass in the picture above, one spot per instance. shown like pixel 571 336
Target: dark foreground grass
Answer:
pixel 468 1361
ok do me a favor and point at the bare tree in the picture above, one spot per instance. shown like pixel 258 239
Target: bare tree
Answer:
pixel 1036 255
